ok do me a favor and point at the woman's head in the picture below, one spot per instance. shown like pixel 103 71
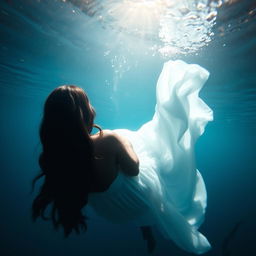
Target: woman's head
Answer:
pixel 66 157
pixel 69 103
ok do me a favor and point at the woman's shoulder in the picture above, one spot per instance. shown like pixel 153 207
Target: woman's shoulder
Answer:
pixel 109 135
pixel 106 139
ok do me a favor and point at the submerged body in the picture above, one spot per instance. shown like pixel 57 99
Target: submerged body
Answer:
pixel 167 191
pixel 147 176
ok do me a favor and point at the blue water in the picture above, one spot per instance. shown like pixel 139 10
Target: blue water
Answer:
pixel 47 43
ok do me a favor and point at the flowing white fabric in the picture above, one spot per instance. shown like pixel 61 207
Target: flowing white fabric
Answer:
pixel 169 191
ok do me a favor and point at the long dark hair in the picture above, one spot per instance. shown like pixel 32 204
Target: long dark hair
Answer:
pixel 66 158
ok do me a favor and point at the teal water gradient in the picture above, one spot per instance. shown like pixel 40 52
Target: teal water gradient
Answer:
pixel 34 59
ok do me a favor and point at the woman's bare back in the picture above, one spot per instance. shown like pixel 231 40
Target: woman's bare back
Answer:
pixel 112 153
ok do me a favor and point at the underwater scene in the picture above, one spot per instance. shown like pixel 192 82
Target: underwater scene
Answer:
pixel 115 50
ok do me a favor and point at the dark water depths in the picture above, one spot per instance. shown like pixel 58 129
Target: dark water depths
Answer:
pixel 47 43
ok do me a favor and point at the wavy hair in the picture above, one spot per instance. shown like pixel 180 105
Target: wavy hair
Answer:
pixel 66 159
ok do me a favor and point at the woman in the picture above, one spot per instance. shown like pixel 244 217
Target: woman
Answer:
pixel 146 176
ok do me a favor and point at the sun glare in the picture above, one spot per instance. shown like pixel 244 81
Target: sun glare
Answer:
pixel 176 26
pixel 136 16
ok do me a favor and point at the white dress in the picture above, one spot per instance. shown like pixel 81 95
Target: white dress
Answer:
pixel 169 191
